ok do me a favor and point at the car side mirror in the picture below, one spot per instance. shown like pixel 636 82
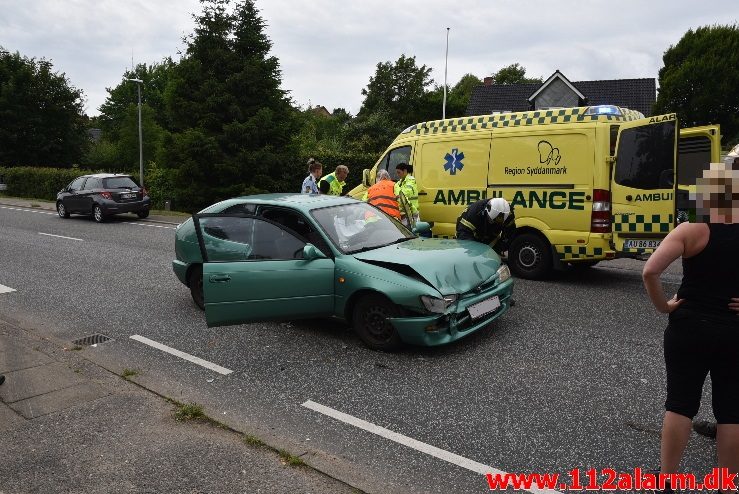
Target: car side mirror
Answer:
pixel 422 229
pixel 311 252
pixel 366 178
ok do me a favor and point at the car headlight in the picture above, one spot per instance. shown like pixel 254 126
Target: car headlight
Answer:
pixel 503 273
pixel 438 305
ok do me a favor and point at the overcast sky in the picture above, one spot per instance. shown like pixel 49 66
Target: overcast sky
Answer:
pixel 328 49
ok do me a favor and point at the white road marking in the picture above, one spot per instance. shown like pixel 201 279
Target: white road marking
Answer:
pixel 29 210
pixel 166 227
pixel 61 236
pixel 6 289
pixel 182 355
pixel 441 454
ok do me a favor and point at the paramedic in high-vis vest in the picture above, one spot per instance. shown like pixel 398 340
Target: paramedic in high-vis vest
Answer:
pixel 490 221
pixel 407 186
pixel 382 195
pixel 333 183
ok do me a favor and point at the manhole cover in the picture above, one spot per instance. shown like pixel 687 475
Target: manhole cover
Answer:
pixel 93 339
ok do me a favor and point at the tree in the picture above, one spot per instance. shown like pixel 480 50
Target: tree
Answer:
pixel 699 80
pixel 399 89
pixel 514 74
pixel 230 121
pixel 41 113
pixel 124 96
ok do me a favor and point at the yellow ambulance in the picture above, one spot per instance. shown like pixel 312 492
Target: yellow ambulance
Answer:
pixel 587 183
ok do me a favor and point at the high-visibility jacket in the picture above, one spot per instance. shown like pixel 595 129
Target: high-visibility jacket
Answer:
pixel 335 187
pixel 409 188
pixel 382 195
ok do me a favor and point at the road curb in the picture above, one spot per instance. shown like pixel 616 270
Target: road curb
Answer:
pixel 46 207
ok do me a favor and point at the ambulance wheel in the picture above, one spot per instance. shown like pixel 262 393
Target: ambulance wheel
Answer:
pixel 530 257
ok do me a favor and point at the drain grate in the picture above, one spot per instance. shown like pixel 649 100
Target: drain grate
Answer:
pixel 93 339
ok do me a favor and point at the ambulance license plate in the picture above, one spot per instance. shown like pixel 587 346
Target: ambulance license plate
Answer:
pixel 485 307
pixel 633 243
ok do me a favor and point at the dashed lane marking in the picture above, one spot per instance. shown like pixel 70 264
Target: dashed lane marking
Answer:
pixel 182 355
pixel 61 236
pixel 441 454
pixel 133 223
pixel 6 289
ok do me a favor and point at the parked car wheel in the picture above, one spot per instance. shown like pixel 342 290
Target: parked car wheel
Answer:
pixel 97 213
pixel 143 214
pixel 195 280
pixel 371 323
pixel 530 257
pixel 63 213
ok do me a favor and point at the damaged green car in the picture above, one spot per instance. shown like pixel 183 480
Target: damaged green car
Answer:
pixel 292 256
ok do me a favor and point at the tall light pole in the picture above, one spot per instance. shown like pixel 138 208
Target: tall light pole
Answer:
pixel 139 82
pixel 446 58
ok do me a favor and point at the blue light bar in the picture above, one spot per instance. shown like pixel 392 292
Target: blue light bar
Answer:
pixel 603 110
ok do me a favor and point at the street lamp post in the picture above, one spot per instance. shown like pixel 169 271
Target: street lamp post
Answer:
pixel 446 58
pixel 139 82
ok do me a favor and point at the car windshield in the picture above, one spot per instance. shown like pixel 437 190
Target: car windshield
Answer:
pixel 358 227
pixel 120 183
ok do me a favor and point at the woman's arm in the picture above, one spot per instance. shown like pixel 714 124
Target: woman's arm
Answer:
pixel 671 248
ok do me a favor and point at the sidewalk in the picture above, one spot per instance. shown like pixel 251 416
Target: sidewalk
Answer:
pixel 174 219
pixel 68 425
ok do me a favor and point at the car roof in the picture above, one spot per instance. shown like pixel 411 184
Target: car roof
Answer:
pixel 296 201
pixel 106 175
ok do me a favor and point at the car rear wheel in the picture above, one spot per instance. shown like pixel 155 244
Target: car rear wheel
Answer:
pixel 143 214
pixel 97 213
pixel 63 213
pixel 195 281
pixel 530 257
pixel 371 323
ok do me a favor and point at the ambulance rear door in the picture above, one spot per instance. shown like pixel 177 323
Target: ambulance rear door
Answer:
pixel 698 147
pixel 643 184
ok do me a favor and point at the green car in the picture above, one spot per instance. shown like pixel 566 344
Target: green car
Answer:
pixel 291 256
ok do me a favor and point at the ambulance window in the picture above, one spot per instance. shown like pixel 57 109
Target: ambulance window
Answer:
pixel 645 158
pixel 614 138
pixel 395 156
pixel 694 156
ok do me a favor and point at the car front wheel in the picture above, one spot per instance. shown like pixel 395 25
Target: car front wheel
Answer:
pixel 143 214
pixel 371 322
pixel 97 213
pixel 61 210
pixel 195 280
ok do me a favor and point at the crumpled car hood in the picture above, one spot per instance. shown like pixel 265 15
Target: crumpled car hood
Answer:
pixel 451 266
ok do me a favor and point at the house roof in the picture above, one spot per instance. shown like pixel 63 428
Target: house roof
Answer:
pixel 635 94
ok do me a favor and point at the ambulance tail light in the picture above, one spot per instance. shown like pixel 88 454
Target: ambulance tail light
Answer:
pixel 600 221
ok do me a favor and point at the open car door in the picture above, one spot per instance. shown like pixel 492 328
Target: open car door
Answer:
pixel 643 184
pixel 257 270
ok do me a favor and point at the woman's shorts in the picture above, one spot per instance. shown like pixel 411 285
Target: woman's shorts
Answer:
pixel 696 345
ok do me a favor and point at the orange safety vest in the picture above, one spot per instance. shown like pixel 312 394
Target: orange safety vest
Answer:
pixel 382 195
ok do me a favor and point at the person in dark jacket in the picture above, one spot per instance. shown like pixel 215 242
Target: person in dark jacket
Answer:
pixel 490 221
pixel 702 335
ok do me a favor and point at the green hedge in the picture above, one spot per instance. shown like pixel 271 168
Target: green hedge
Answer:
pixel 38 183
pixel 44 183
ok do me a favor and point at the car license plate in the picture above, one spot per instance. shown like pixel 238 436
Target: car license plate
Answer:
pixel 485 307
pixel 128 195
pixel 633 243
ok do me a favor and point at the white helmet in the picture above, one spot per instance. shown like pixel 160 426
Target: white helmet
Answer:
pixel 498 206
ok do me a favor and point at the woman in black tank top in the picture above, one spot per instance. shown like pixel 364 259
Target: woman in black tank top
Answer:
pixel 702 335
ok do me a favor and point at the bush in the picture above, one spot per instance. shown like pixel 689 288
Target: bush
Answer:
pixel 38 183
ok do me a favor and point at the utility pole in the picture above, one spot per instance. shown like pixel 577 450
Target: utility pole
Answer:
pixel 446 59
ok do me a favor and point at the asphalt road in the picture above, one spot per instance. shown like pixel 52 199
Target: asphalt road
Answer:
pixel 571 377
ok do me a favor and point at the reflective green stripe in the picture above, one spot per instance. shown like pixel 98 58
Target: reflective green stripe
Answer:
pixel 468 224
